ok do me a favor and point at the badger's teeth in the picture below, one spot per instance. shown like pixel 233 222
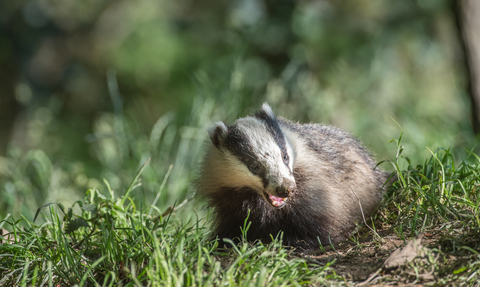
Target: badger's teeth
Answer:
pixel 277 201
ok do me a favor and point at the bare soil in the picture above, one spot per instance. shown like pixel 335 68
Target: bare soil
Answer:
pixel 362 263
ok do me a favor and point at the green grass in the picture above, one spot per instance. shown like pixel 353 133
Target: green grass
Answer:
pixel 440 199
pixel 111 243
pixel 435 193
pixel 111 239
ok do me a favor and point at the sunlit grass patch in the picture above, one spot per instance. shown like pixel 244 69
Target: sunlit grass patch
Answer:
pixel 439 195
pixel 111 242
pixel 439 199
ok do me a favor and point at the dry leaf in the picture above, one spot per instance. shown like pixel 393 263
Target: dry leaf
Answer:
pixel 403 255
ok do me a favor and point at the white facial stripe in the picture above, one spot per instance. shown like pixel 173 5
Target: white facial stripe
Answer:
pixel 268 152
pixel 258 136
pixel 290 153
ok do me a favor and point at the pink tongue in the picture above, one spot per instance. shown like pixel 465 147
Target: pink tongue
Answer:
pixel 276 201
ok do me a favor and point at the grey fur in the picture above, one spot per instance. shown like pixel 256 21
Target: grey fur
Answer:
pixel 321 171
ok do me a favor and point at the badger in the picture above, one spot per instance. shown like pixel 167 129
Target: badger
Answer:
pixel 311 182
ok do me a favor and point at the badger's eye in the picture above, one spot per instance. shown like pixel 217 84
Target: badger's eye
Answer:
pixel 285 157
pixel 254 168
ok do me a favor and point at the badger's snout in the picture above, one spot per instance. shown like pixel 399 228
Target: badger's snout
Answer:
pixel 286 189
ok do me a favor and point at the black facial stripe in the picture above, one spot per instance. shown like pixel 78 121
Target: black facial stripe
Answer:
pixel 238 145
pixel 274 129
pixel 264 181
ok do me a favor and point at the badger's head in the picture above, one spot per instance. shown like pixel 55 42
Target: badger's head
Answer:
pixel 254 153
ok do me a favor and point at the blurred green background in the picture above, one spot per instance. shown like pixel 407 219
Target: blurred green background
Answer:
pixel 91 89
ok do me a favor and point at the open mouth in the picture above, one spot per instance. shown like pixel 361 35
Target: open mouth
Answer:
pixel 275 201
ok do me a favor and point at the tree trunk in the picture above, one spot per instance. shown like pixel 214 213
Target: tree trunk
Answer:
pixel 9 107
pixel 468 20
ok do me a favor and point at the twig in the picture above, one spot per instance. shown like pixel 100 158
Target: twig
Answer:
pixel 370 278
pixel 161 188
pixel 363 215
pixel 172 208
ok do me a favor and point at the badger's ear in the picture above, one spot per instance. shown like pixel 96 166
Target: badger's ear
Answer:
pixel 218 133
pixel 267 110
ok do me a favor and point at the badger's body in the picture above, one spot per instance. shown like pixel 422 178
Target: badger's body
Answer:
pixel 303 179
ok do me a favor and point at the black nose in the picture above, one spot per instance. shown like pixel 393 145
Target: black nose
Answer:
pixel 291 187
pixel 286 189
